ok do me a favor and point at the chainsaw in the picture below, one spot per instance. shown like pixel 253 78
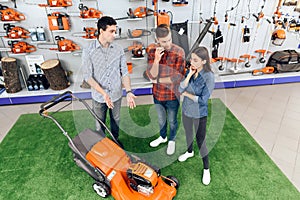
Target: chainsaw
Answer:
pixel 136 49
pixel 18 47
pixel 57 3
pixel 65 44
pixel 15 32
pixel 9 14
pixel 136 33
pixel 86 12
pixel 139 12
pixel 89 33
pixel 62 45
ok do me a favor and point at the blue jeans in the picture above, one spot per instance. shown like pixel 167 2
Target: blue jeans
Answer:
pixel 101 111
pixel 163 109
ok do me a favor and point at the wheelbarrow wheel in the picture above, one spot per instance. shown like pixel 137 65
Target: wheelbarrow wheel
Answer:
pixel 173 178
pixel 101 189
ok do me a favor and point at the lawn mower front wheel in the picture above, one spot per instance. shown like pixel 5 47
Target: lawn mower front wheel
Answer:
pixel 101 189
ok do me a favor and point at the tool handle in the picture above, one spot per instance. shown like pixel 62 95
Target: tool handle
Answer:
pixel 55 100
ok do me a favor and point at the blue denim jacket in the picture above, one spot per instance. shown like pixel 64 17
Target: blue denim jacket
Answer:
pixel 201 87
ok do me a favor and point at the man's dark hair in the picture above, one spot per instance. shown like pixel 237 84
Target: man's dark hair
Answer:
pixel 162 31
pixel 105 21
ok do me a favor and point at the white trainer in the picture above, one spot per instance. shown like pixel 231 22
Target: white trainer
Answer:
pixel 171 147
pixel 206 177
pixel 158 141
pixel 185 156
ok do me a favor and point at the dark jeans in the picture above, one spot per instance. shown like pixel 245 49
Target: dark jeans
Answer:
pixel 101 111
pixel 200 127
pixel 163 109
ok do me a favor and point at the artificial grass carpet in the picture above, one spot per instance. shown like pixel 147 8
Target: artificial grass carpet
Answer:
pixel 36 162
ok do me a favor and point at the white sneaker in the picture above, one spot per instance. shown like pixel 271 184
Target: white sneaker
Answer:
pixel 158 141
pixel 206 177
pixel 171 147
pixel 185 156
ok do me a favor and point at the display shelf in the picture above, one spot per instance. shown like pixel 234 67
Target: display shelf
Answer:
pixel 141 86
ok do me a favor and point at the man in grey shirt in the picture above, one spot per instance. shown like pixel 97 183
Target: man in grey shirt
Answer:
pixel 105 69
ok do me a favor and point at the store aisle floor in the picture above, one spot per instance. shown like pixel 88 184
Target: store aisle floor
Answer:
pixel 270 113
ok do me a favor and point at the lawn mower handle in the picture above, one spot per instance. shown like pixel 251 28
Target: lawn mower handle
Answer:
pixel 55 100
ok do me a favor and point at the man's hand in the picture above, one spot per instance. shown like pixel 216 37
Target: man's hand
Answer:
pixel 130 100
pixel 159 52
pixel 108 101
pixel 153 80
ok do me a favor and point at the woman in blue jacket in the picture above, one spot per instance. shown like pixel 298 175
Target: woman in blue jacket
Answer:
pixel 196 88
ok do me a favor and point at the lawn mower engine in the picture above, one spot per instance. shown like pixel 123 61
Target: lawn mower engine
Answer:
pixel 142 178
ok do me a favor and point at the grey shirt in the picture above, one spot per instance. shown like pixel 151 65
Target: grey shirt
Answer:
pixel 107 66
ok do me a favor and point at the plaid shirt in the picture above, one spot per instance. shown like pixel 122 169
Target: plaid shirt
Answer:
pixel 172 64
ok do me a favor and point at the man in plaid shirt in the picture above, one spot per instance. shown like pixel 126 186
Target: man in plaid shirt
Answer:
pixel 166 64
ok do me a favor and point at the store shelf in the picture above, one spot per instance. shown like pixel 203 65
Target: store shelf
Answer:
pixel 141 86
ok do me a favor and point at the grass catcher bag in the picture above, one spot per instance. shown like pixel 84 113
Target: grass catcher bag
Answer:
pixel 285 61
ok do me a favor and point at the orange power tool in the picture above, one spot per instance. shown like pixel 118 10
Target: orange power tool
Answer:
pixel 86 12
pixel 15 32
pixel 9 14
pixel 21 47
pixel 65 45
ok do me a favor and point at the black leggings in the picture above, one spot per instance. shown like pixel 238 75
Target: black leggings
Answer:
pixel 200 127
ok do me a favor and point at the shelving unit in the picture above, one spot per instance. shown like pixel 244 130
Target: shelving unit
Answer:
pixel 141 86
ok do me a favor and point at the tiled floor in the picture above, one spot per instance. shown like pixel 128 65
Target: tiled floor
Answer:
pixel 270 113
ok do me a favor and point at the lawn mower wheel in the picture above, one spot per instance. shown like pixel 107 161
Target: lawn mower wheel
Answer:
pixel 101 189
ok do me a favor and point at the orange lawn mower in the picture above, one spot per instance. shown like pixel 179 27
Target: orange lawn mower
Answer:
pixel 114 171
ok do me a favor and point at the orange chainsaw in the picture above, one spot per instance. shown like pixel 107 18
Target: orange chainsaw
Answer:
pixel 65 44
pixel 86 12
pixel 139 12
pixel 90 33
pixel 15 32
pixel 9 14
pixel 57 3
pixel 136 49
pixel 21 47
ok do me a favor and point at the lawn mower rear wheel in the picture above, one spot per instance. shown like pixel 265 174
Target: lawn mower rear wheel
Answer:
pixel 173 178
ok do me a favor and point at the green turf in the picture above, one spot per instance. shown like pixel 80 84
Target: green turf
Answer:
pixel 36 162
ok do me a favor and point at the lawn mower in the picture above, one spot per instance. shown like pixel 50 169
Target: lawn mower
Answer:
pixel 115 172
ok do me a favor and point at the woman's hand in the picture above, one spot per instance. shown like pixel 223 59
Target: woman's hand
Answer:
pixel 188 95
pixel 191 72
